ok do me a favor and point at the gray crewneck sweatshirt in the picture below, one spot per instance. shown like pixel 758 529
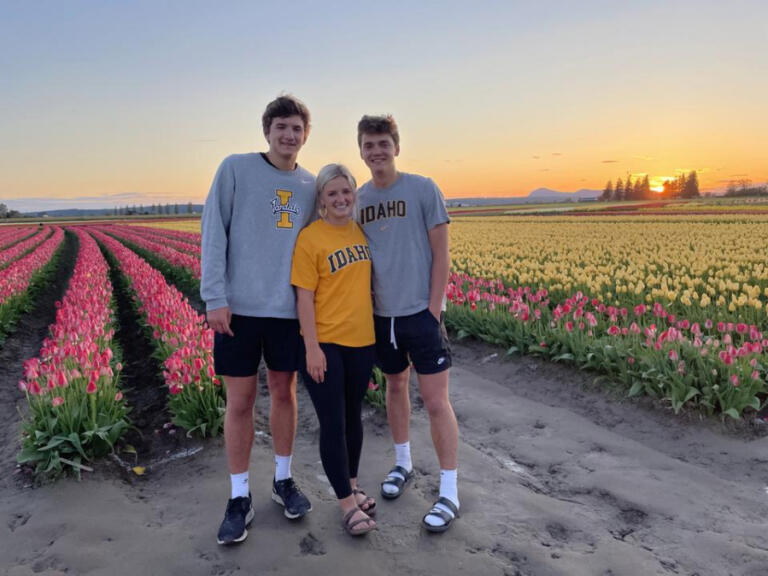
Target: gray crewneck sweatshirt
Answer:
pixel 252 217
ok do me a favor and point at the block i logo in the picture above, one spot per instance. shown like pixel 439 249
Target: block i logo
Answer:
pixel 282 207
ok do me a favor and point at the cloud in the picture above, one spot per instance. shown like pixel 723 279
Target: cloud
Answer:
pixel 557 153
pixel 544 170
pixel 608 161
pixel 536 157
pixel 643 157
pixel 456 161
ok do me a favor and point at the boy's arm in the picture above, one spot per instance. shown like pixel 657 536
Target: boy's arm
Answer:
pixel 436 221
pixel 441 263
pixel 217 214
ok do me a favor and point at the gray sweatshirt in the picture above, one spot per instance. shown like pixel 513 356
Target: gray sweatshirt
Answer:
pixel 252 217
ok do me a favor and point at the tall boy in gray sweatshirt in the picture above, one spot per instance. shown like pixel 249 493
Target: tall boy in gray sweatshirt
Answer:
pixel 257 205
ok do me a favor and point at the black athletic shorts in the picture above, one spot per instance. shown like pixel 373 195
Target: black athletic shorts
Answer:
pixel 419 339
pixel 239 355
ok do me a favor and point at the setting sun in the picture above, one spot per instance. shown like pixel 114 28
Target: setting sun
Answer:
pixel 657 182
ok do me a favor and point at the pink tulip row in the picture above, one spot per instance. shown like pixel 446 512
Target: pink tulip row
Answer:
pixel 12 253
pixel 181 335
pixel 188 242
pixel 15 279
pixel 12 234
pixel 76 358
pixel 583 312
pixel 646 343
pixel 188 237
pixel 157 247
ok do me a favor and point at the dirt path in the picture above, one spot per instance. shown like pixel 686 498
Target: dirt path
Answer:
pixel 554 479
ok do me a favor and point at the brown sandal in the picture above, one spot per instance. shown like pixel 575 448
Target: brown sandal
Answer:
pixel 350 525
pixel 370 509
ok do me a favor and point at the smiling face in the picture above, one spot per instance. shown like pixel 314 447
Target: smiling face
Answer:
pixel 286 136
pixel 378 151
pixel 337 201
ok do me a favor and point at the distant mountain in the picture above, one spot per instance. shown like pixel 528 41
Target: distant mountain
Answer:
pixel 545 194
pixel 538 196
pixel 84 212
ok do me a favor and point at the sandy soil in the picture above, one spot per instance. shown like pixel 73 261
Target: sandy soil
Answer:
pixel 554 479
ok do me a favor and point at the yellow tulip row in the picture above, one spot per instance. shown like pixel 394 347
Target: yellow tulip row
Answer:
pixel 698 262
pixel 191 225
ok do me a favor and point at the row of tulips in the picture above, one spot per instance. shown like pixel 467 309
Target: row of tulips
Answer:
pixel 20 248
pixel 158 248
pixel 16 279
pixel 718 366
pixel 76 409
pixel 697 268
pixel 193 238
pixel 169 238
pixel 182 340
pixel 12 234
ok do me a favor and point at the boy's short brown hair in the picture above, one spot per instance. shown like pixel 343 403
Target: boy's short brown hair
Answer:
pixel 283 107
pixel 384 124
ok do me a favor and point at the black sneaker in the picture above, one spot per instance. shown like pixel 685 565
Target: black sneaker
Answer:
pixel 237 518
pixel 287 494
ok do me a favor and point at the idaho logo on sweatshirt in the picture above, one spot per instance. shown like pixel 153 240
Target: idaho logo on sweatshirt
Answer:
pixel 282 207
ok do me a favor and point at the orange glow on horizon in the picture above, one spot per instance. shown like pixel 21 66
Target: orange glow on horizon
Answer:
pixel 657 182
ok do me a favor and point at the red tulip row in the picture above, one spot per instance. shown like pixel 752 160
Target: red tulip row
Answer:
pixel 190 245
pixel 188 237
pixel 157 247
pixel 15 251
pixel 12 234
pixel 15 279
pixel 182 338
pixel 719 366
pixel 71 386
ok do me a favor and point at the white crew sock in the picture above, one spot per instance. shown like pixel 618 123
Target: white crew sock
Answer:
pixel 402 458
pixel 282 467
pixel 240 488
pixel 448 489
pixel 403 455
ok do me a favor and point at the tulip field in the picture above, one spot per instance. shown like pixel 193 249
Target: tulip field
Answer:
pixel 672 306
pixel 668 304
pixel 77 409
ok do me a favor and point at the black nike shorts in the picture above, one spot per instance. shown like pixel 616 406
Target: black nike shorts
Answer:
pixel 277 339
pixel 419 339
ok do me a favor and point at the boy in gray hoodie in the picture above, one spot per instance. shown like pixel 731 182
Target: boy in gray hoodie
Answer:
pixel 257 205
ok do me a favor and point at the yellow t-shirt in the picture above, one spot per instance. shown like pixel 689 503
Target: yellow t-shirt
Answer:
pixel 335 263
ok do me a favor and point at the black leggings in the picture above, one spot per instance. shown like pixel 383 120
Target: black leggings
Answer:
pixel 338 403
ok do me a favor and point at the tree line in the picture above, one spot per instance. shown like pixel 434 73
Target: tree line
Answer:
pixel 6 213
pixel 744 187
pixel 159 209
pixel 684 186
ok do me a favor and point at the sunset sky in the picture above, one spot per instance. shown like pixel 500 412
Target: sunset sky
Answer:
pixel 111 103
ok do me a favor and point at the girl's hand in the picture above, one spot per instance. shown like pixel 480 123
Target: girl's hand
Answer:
pixel 316 366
